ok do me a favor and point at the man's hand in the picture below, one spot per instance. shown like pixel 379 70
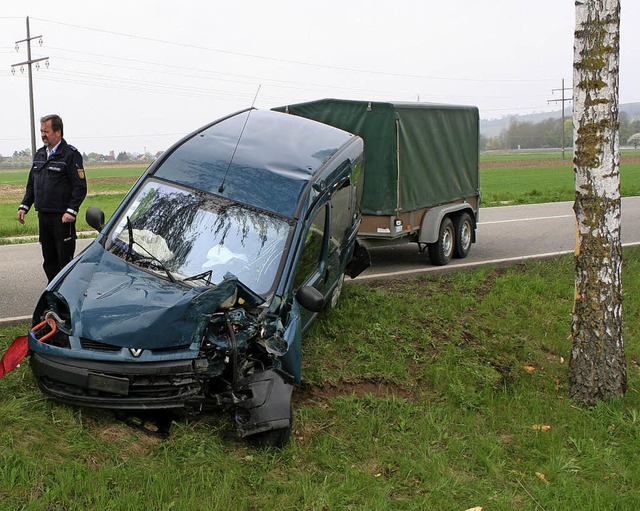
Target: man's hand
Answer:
pixel 67 218
pixel 20 217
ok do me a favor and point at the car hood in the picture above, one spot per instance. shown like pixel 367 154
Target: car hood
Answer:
pixel 114 302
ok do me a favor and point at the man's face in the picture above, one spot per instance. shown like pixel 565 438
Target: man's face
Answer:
pixel 49 137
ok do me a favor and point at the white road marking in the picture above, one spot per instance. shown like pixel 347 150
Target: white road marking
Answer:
pixel 429 269
pixel 527 219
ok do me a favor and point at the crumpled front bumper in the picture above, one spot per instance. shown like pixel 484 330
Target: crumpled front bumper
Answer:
pixel 124 386
pixel 262 401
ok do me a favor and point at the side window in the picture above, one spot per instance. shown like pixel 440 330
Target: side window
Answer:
pixel 357 179
pixel 312 249
pixel 341 214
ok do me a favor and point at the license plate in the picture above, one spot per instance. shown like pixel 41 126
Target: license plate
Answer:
pixel 110 384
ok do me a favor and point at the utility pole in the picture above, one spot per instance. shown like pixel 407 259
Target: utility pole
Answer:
pixel 562 100
pixel 29 63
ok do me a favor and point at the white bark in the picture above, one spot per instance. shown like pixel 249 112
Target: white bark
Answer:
pixel 597 367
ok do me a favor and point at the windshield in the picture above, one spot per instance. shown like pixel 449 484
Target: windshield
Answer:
pixel 197 238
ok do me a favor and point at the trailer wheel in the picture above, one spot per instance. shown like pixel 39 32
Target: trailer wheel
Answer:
pixel 441 251
pixel 464 235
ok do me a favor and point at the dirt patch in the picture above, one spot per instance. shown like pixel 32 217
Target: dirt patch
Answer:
pixel 11 194
pixel 14 193
pixel 7 189
pixel 526 163
pixel 125 180
pixel 485 288
pixel 550 162
pixel 137 442
pixel 321 395
pixel 308 394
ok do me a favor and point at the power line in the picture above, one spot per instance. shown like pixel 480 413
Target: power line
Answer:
pixel 290 61
pixel 250 80
pixel 254 79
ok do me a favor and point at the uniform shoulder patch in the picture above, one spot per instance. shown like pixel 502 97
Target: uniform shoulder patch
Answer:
pixel 81 173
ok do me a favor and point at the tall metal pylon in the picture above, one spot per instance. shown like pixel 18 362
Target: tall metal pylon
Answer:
pixel 29 62
pixel 562 100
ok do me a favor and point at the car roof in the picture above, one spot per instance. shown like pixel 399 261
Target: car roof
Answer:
pixel 258 157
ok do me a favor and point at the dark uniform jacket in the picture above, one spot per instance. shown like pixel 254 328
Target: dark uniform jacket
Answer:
pixel 56 185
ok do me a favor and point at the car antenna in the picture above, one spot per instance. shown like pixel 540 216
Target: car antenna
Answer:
pixel 221 189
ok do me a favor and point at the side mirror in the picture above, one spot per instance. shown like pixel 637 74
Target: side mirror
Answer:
pixel 310 298
pixel 95 218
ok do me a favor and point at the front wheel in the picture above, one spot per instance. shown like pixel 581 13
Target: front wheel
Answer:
pixel 332 302
pixel 441 251
pixel 464 235
pixel 272 439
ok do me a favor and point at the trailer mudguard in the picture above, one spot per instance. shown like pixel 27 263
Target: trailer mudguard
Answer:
pixel 430 227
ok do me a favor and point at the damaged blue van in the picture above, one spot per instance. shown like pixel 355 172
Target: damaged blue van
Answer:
pixel 196 293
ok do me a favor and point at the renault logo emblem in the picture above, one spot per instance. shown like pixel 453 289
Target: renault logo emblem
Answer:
pixel 136 352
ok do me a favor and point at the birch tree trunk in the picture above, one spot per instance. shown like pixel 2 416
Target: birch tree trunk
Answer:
pixel 597 367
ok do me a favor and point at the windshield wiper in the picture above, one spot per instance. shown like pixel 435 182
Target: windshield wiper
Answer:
pixel 154 258
pixel 205 275
pixel 131 242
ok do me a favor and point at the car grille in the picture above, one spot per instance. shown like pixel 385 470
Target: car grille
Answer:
pixel 88 344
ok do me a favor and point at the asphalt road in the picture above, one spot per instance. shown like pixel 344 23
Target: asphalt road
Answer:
pixel 505 235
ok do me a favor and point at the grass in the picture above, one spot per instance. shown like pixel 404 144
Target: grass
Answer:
pixel 527 185
pixel 503 186
pixel 533 178
pixel 438 392
pixel 107 187
pixel 522 178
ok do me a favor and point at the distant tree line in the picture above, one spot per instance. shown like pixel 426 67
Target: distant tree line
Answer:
pixel 23 158
pixel 548 134
pixel 518 135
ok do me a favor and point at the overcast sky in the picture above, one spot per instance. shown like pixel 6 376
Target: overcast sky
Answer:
pixel 137 75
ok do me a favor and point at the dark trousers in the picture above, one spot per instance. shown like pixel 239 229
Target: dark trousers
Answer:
pixel 58 242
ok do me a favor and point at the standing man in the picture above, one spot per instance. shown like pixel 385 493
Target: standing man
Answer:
pixel 56 186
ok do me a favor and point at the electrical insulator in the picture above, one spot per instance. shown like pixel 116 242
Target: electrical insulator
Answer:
pixel 17 47
pixel 40 41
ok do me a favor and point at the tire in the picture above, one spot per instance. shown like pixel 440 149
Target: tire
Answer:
pixel 441 251
pixel 273 439
pixel 335 294
pixel 464 235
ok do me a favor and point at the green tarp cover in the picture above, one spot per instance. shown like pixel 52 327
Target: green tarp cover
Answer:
pixel 417 155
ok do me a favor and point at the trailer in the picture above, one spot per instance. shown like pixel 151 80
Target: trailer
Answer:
pixel 421 180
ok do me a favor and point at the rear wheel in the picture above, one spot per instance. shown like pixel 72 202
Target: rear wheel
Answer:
pixel 441 251
pixel 464 235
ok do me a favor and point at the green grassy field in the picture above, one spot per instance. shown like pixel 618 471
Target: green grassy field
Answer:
pixel 441 392
pixel 505 179
pixel 516 178
pixel 107 187
pixel 502 186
